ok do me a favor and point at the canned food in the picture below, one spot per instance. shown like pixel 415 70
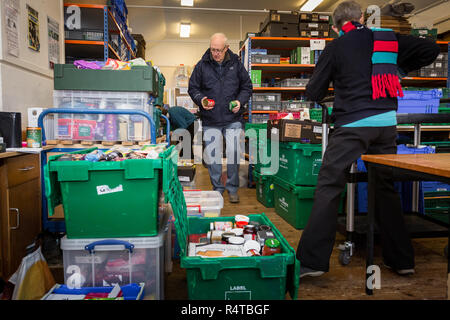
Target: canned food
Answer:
pixel 34 137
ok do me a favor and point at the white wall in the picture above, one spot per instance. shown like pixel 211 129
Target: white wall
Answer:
pixel 27 81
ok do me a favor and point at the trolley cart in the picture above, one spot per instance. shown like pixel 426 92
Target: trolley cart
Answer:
pixel 59 226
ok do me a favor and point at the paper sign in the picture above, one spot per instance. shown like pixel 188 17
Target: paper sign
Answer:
pixel 317 44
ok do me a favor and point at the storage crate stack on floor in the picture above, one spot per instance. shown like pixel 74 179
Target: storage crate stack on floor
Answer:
pixel 115 230
pixel 91 89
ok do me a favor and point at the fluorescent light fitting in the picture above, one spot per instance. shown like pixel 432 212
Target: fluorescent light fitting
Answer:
pixel 187 3
pixel 185 30
pixel 310 5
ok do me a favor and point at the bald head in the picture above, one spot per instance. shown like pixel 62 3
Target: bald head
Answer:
pixel 218 46
pixel 219 38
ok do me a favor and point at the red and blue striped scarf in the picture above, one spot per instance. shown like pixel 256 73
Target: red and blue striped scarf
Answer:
pixel 384 61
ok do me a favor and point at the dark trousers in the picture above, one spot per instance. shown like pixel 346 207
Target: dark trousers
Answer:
pixel 345 146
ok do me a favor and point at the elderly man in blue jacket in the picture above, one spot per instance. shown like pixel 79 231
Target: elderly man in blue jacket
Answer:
pixel 221 77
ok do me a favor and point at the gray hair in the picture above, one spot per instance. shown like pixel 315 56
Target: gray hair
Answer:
pixel 346 11
pixel 220 35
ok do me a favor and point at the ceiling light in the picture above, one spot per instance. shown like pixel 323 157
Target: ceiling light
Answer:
pixel 187 3
pixel 310 5
pixel 185 30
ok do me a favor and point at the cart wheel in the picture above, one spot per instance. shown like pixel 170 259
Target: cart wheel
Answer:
pixel 446 251
pixel 344 257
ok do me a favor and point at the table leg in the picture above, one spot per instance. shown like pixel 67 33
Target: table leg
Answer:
pixel 370 227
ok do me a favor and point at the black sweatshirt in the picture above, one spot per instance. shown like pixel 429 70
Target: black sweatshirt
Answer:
pixel 347 61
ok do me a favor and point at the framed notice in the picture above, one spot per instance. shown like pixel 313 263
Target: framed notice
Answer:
pixel 33 29
pixel 53 42
pixel 12 11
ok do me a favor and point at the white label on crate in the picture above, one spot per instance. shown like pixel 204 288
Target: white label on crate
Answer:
pixel 317 44
pixel 102 190
pixel 283 204
pixel 183 179
pixel 317 129
pixel 313 25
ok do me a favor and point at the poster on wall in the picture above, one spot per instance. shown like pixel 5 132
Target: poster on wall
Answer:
pixel 12 11
pixel 33 29
pixel 53 42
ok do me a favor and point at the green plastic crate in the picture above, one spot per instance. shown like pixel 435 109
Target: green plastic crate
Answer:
pixel 315 114
pixel 264 189
pixel 108 199
pixel 293 203
pixel 138 79
pixel 261 143
pixel 299 163
pixel 240 278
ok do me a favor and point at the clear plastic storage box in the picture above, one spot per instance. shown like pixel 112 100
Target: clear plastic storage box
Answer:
pixel 106 262
pixel 266 106
pixel 93 127
pixel 294 82
pixel 269 97
pixel 203 203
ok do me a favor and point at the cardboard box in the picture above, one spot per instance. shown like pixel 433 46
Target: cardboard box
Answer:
pixel 295 131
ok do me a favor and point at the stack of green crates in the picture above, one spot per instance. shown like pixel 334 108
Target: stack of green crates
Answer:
pixel 261 173
pixel 295 181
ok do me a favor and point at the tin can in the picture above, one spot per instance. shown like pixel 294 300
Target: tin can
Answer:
pixel 34 137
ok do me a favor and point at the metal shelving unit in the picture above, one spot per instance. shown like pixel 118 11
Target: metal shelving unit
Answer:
pixel 97 49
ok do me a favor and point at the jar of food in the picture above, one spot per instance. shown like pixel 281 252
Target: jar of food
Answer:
pixel 249 232
pixel 226 236
pixel 271 247
pixel 264 227
pixel 236 240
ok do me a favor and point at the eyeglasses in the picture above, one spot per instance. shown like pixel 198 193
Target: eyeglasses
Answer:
pixel 219 50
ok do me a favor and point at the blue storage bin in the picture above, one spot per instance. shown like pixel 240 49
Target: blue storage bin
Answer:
pixel 419 101
pixel 434 186
pixel 131 291
pixel 403 188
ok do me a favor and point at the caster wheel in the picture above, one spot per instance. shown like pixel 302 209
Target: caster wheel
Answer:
pixel 344 257
pixel 446 251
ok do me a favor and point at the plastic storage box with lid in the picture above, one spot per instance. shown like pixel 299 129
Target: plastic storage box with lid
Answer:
pixel 109 199
pixel 264 189
pixel 137 79
pixel 203 203
pixel 266 105
pixel 293 203
pixel 266 58
pixel 107 262
pixel 269 97
pixel 233 278
pixel 299 163
pixel 102 127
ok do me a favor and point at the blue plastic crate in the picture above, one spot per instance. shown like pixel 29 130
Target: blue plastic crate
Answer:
pixel 131 291
pixel 403 188
pixel 434 186
pixel 416 101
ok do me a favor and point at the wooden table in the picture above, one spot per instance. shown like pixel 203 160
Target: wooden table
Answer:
pixel 428 167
